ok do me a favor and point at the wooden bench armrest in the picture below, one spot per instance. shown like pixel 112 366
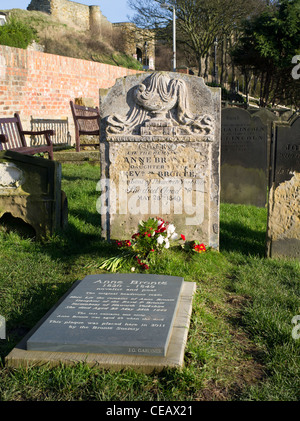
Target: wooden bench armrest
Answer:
pixel 47 134
pixel 50 132
pixel 87 117
pixel 3 138
pixel 89 132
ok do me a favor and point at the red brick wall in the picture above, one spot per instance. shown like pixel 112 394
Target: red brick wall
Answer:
pixel 41 85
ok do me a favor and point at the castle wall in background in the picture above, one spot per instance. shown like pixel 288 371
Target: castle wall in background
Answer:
pixel 137 43
pixel 86 17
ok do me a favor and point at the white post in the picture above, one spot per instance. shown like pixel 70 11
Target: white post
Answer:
pixel 174 40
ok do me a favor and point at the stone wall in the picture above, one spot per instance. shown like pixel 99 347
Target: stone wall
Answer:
pixel 81 15
pixel 41 85
pixel 132 39
pixel 137 42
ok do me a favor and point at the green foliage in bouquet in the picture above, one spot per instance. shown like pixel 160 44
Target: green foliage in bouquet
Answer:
pixel 152 237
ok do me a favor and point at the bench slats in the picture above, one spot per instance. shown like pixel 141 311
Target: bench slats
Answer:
pixel 86 122
pixel 14 140
pixel 15 136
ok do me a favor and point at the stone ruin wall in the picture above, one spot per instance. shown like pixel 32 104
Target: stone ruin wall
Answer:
pixel 91 18
pixel 134 39
pixel 86 17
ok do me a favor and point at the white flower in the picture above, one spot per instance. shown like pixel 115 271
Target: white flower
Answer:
pixel 160 239
pixel 170 230
pixel 167 245
pixel 132 269
pixel 174 236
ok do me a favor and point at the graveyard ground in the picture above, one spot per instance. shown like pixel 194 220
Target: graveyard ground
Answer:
pixel 240 344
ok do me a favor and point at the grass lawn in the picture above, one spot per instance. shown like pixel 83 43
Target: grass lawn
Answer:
pixel 240 344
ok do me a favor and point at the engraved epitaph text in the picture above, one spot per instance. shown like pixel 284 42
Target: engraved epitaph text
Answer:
pixel 114 314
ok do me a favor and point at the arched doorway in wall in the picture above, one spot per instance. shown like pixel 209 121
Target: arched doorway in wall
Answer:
pixel 139 54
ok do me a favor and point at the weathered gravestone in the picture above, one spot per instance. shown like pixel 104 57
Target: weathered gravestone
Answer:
pixel 116 321
pixel 160 140
pixel 244 158
pixel 30 191
pixel 267 117
pixel 283 232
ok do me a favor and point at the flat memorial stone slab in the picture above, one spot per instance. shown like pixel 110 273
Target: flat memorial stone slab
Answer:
pixel 113 314
pixel 21 357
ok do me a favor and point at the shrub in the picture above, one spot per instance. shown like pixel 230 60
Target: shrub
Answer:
pixel 17 34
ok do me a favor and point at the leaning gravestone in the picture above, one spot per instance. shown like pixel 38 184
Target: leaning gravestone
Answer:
pixel 283 232
pixel 244 162
pixel 160 140
pixel 267 117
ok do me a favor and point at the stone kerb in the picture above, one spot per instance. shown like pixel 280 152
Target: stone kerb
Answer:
pixel 160 153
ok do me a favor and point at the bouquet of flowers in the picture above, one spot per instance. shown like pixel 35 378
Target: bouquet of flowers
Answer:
pixel 152 237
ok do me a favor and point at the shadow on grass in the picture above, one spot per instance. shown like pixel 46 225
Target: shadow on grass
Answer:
pixel 37 300
pixel 71 243
pixel 87 217
pixel 237 237
pixel 80 178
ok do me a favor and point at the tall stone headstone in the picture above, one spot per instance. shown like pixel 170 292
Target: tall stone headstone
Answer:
pixel 244 158
pixel 160 155
pixel 283 232
pixel 268 117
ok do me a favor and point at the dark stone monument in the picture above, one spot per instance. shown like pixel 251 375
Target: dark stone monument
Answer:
pixel 112 314
pixel 283 232
pixel 30 192
pixel 244 158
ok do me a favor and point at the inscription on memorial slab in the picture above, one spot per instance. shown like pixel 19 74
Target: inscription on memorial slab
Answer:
pixel 283 232
pixel 244 163
pixel 113 314
pixel 160 154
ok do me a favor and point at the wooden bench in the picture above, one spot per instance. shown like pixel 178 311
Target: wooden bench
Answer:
pixel 12 137
pixel 86 121
pixel 60 126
